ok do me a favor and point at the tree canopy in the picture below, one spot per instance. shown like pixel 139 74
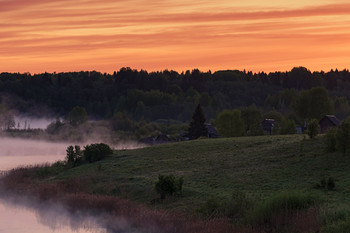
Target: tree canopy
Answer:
pixel 171 95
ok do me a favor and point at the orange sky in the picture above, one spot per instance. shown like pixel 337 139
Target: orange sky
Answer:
pixel 105 35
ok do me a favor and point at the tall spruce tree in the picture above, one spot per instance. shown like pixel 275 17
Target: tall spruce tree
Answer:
pixel 197 127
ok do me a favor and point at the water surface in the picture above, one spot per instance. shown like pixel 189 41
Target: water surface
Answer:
pixel 20 216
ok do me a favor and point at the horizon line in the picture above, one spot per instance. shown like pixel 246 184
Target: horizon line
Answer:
pixel 179 72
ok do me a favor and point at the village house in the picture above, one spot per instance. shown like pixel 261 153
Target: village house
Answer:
pixel 268 125
pixel 212 132
pixel 327 122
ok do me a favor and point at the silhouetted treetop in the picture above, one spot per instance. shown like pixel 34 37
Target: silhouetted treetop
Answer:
pixel 163 94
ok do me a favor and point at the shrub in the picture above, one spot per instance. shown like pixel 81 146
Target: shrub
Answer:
pixel 313 128
pixel 343 136
pixel 168 185
pixel 331 140
pixel 326 183
pixel 96 152
pixel 331 183
pixel 282 205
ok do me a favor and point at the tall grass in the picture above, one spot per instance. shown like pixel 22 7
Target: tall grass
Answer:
pixel 335 220
pixel 287 212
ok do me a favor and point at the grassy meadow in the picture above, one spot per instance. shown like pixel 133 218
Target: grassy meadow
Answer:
pixel 257 166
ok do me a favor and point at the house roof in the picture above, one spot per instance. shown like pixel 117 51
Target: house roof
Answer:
pixel 211 129
pixel 333 119
pixel 269 120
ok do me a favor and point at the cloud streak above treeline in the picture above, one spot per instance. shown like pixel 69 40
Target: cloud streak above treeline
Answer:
pixel 38 36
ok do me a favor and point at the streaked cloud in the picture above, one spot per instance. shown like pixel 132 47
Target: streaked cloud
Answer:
pixel 62 35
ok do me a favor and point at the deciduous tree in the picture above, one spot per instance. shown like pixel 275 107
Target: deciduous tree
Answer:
pixel 230 124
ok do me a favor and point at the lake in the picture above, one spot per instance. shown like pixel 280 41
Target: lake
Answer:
pixel 19 215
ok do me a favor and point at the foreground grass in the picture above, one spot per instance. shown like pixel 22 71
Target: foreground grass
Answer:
pixel 259 167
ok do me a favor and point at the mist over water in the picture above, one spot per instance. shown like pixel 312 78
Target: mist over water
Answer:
pixel 21 215
pixel 16 218
pixel 16 152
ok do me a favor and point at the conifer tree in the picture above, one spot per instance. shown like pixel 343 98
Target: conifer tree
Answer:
pixel 197 127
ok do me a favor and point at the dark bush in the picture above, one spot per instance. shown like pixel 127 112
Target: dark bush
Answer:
pixel 326 183
pixel 168 185
pixel 331 183
pixel 343 136
pixel 313 128
pixel 323 182
pixel 280 204
pixel 331 140
pixel 96 152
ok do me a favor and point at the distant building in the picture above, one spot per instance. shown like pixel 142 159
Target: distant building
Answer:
pixel 268 125
pixel 327 122
pixel 148 141
pixel 162 138
pixel 212 132
pixel 299 130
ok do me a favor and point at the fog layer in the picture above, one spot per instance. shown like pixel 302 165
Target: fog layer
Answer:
pixel 16 152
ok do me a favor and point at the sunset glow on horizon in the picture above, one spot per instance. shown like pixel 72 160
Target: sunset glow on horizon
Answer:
pixel 60 35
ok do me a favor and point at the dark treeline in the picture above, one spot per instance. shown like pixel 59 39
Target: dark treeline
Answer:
pixel 165 94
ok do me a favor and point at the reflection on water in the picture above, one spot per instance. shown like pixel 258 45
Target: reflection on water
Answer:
pixel 20 219
pixel 24 217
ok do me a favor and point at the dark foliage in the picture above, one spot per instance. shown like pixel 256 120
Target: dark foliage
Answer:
pixel 313 128
pixel 96 152
pixel 168 185
pixel 77 116
pixel 162 95
pixel 331 140
pixel 343 136
pixel 331 183
pixel 197 127
pixel 74 155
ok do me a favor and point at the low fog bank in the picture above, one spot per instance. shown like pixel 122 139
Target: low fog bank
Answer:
pixel 55 130
pixel 28 122
pixel 16 152
pixel 26 213
pixel 29 147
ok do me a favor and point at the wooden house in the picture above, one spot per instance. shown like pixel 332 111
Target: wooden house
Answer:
pixel 268 125
pixel 212 132
pixel 327 122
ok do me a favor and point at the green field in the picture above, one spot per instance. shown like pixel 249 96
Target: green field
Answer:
pixel 260 167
